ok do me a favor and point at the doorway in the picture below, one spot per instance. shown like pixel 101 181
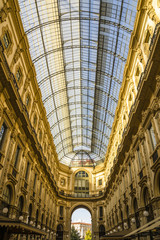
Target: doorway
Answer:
pixel 81 223
pixel 59 234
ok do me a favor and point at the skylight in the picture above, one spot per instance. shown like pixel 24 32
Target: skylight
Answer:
pixel 79 49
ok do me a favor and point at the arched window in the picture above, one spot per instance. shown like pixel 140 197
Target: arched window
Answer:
pixel 37 213
pixel 148 205
pixel 128 219
pixel 148 37
pixel 3 131
pixel 35 120
pixel 81 186
pixel 30 212
pixel 20 205
pixel 27 100
pixel 50 224
pixel 46 222
pixel 59 235
pixel 101 230
pixel 116 217
pixel 121 215
pixel 7 194
pixel 135 205
pixel 42 220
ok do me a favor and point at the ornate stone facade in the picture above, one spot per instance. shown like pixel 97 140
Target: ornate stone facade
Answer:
pixel 38 190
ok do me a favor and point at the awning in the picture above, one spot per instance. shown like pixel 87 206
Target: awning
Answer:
pixel 19 227
pixel 153 225
pixel 116 235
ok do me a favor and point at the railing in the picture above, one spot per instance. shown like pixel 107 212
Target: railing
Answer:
pixel 76 195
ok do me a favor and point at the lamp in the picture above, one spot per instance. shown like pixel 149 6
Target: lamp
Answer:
pixel 119 227
pixel 31 222
pixel 125 225
pixel 13 216
pixel 5 210
pixel 133 220
pixel 21 218
pixel 44 229
pixel 38 226
pixel 114 230
pixel 48 230
pixel 145 213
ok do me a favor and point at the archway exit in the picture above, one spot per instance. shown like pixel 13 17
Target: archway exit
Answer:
pixel 81 223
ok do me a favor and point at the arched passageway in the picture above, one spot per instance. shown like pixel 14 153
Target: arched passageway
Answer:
pixel 81 222
pixel 59 234
pixel 101 230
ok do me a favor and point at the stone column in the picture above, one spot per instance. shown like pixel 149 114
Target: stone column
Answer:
pixel 7 162
pixel 95 233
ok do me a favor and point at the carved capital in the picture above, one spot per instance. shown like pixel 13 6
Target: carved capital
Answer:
pixel 140 55
pixel 14 134
pixel 132 155
pixel 141 134
pixel 3 13
pixel 16 55
pixel 152 13
pixel 144 114
pixel 26 84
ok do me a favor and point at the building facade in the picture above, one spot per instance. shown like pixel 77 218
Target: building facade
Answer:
pixel 82 228
pixel 38 194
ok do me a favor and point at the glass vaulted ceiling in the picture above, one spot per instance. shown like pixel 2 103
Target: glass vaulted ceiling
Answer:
pixel 79 49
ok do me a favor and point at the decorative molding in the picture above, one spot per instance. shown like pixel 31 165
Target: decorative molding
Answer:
pixel 3 13
pixel 9 49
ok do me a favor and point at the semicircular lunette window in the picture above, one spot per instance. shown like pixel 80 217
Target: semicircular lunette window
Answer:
pixel 81 186
pixel 79 50
pixel 82 159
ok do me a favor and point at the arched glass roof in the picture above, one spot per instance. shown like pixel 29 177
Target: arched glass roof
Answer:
pixel 79 49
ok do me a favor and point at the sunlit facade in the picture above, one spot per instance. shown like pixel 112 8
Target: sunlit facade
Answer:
pixel 79 117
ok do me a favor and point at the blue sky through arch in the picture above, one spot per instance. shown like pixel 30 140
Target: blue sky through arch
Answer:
pixel 81 215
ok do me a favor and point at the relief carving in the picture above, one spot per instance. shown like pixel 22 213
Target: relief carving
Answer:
pixel 3 13
pixel 152 13
pixel 140 56
pixel 17 55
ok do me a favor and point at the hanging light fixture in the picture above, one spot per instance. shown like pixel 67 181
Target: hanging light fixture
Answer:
pixel 145 213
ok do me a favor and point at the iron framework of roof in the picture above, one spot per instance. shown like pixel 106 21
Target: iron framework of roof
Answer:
pixel 79 49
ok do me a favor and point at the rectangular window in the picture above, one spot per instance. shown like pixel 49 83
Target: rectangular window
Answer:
pixel 18 75
pixel 152 137
pixel 16 156
pixel 6 40
pixel 100 212
pixel 27 171
pixel 100 182
pixel 61 211
pixel 35 177
pixel 2 134
pixel 139 158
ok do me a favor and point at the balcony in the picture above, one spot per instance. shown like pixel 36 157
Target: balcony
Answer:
pixel 81 195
